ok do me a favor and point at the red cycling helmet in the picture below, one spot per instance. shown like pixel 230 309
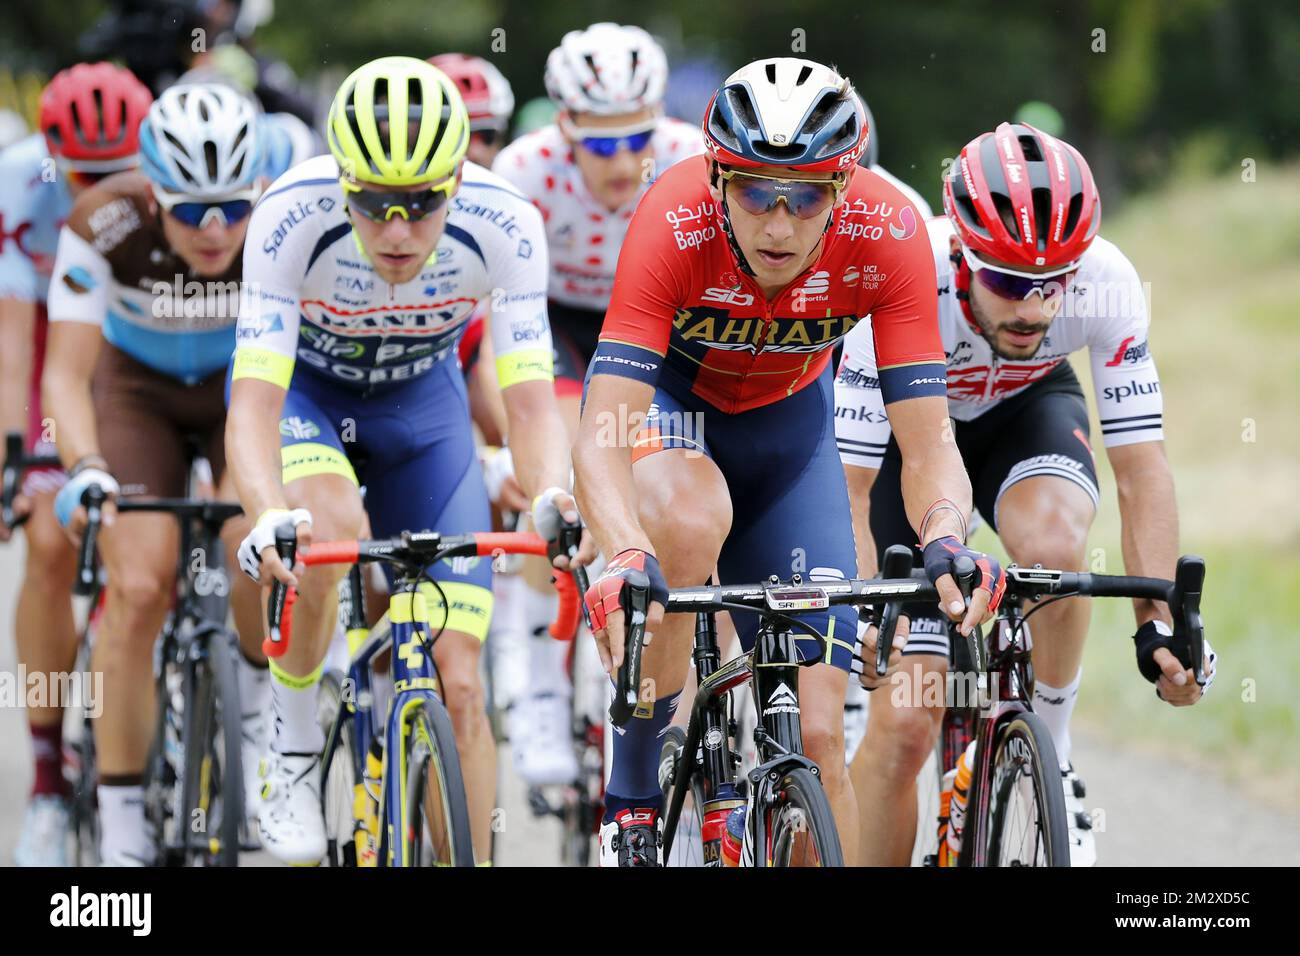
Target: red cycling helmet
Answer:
pixel 486 93
pixel 91 113
pixel 1020 197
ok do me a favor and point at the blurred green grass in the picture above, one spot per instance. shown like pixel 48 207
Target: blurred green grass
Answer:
pixel 1223 261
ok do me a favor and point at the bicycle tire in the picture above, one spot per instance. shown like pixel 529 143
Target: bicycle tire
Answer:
pixel 222 650
pixel 1024 744
pixel 801 806
pixel 212 785
pixel 340 773
pixel 431 749
pixel 687 850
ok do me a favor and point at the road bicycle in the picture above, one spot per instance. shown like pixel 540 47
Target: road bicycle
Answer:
pixel 1015 809
pixel 392 790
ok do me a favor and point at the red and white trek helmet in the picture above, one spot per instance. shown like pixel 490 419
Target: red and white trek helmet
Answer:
pixel 1020 197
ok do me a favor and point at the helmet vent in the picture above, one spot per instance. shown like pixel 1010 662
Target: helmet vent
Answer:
pixel 771 73
pixel 1032 149
pixel 804 73
pixel 1008 215
pixel 102 127
pixel 1042 199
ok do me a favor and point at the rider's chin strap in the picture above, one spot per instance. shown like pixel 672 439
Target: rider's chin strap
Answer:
pixel 961 283
pixel 741 262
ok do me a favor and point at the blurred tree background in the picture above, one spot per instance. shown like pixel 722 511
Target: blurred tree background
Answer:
pixel 1145 87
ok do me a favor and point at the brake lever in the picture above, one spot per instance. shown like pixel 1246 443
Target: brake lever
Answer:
pixel 635 599
pixel 965 573
pixel 93 500
pixel 1185 605
pixel 897 563
pixel 279 630
pixel 567 544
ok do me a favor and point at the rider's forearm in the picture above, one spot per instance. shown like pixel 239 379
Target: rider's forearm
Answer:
pixel 253 445
pixel 602 465
pixel 936 488
pixel 859 481
pixel 538 440
pixel 66 398
pixel 1148 513
pixel 933 477
pixel 17 325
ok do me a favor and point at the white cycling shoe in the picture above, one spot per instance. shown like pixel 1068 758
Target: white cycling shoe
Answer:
pixel 254 749
pixel 1083 844
pixel 44 839
pixel 541 740
pixel 289 816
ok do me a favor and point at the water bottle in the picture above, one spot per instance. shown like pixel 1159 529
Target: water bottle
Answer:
pixel 733 840
pixel 714 826
pixel 952 802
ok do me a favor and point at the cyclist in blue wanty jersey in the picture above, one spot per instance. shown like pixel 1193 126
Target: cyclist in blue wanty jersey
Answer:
pixel 363 269
pixel 142 305
pixel 39 179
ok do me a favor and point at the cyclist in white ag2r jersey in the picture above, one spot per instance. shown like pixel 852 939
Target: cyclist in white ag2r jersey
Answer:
pixel 1023 283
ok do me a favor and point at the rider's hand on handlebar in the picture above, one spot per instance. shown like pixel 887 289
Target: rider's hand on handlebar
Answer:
pixel 554 507
pixel 608 621
pixel 257 554
pixel 986 593
pixel 69 510
pixel 22 507
pixel 869 679
pixel 1176 684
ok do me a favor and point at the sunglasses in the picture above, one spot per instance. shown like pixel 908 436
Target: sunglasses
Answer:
pixel 381 206
pixel 85 177
pixel 758 194
pixel 1018 286
pixel 198 213
pixel 606 143
pixel 486 137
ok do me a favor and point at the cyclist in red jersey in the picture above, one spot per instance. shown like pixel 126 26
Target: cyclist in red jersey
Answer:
pixel 740 272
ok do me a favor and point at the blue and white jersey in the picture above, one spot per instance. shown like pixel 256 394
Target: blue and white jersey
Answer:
pixel 34 202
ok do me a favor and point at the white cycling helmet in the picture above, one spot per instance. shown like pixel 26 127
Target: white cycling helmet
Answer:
pixel 607 69
pixel 202 140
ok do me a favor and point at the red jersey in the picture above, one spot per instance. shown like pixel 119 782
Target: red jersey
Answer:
pixel 685 317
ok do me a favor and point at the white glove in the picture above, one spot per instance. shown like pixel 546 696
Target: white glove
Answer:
pixel 263 536
pixel 498 465
pixel 546 515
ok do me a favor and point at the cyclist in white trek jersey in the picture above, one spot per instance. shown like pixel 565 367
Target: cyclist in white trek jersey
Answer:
pixel 585 173
pixel 1024 281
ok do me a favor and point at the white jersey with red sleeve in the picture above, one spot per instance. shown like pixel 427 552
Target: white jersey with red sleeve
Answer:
pixel 583 235
pixel 1104 311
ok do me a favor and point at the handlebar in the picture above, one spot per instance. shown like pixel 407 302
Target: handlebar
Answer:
pixel 16 463
pixel 412 551
pixel 1183 595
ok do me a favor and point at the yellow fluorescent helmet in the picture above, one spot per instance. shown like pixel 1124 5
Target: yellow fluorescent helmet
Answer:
pixel 398 121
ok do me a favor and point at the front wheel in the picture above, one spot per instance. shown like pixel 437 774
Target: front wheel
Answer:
pixel 800 826
pixel 437 813
pixel 1026 810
